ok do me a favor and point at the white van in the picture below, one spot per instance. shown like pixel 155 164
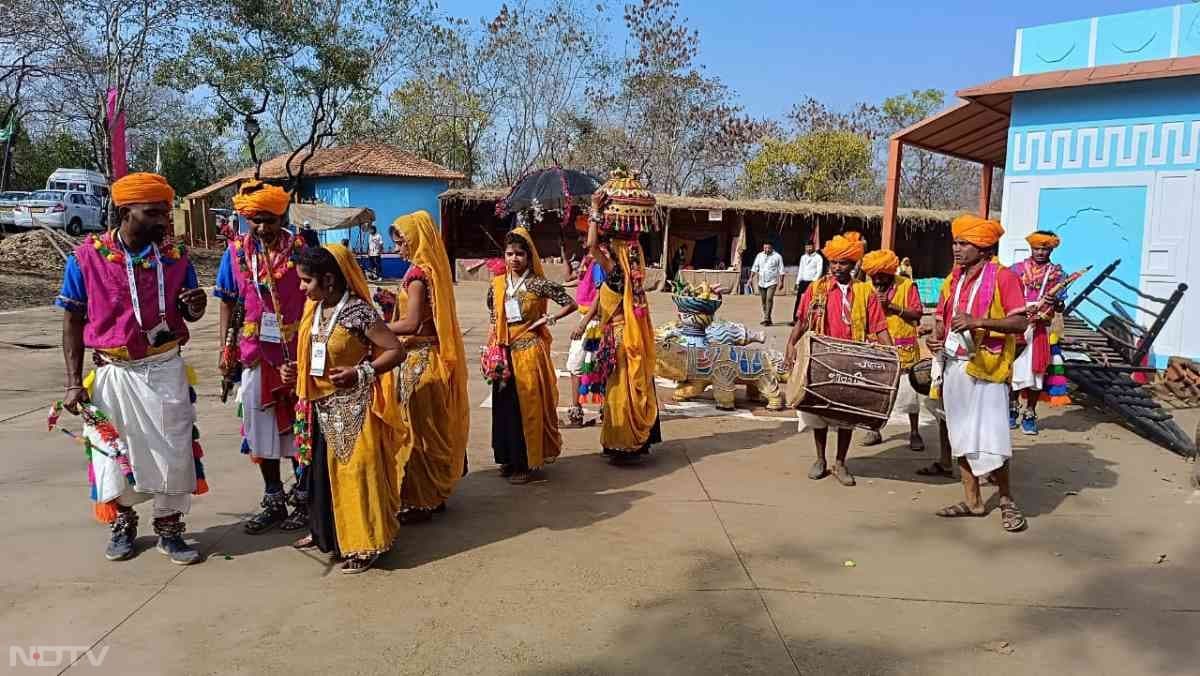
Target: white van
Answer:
pixel 79 180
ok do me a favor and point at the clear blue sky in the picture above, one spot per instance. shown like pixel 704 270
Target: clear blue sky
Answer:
pixel 772 52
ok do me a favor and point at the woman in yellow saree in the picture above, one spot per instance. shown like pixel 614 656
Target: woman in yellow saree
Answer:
pixel 525 406
pixel 432 383
pixel 630 413
pixel 348 421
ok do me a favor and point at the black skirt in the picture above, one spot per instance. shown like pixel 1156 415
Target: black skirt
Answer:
pixel 320 494
pixel 508 436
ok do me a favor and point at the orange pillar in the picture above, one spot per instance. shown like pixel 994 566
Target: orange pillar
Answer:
pixel 985 190
pixel 891 193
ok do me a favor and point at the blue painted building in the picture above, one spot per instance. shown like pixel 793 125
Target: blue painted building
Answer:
pixel 385 179
pixel 1098 132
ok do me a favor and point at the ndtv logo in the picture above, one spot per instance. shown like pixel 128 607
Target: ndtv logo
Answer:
pixel 54 655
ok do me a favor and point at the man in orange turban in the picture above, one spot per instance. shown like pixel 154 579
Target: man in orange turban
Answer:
pixel 258 197
pixel 848 247
pixel 902 305
pixel 128 295
pixel 980 313
pixel 981 232
pixel 1039 278
pixel 838 307
pixel 258 279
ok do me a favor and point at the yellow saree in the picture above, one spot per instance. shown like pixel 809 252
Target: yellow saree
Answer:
pixel 432 383
pixel 630 400
pixel 534 382
pixel 356 432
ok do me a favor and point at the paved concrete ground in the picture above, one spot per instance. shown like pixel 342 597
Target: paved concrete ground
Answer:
pixel 716 556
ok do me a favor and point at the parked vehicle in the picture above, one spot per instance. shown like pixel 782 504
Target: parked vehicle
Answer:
pixel 79 180
pixel 8 202
pixel 74 212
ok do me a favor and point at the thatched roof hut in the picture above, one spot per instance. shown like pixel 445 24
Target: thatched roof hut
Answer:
pixel 715 232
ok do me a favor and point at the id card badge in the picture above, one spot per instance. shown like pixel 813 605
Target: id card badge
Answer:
pixel 268 328
pixel 954 343
pixel 512 310
pixel 316 365
pixel 159 335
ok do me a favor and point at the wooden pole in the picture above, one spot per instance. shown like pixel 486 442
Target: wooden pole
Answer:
pixel 665 261
pixel 985 190
pixel 891 193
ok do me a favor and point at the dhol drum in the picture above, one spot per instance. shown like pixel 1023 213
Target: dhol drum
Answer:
pixel 844 381
pixel 920 376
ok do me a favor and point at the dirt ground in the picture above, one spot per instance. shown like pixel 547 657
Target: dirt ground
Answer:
pixel 26 286
pixel 716 556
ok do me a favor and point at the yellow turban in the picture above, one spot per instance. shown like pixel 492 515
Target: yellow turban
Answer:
pixel 884 260
pixel 141 188
pixel 1039 241
pixel 978 231
pixel 848 247
pixel 257 197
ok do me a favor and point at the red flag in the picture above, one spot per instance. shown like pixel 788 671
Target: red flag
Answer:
pixel 116 131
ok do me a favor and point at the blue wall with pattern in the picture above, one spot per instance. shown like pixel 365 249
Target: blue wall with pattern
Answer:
pixel 1146 35
pixel 1131 126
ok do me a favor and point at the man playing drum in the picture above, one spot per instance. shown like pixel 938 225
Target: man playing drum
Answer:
pixel 902 304
pixel 837 307
pixel 982 304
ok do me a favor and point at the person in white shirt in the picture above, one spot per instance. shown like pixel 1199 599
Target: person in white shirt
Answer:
pixel 375 250
pixel 812 267
pixel 765 275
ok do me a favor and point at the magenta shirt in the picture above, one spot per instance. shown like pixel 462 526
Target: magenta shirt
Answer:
pixel 111 324
pixel 287 287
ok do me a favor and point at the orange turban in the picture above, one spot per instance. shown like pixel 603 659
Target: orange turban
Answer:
pixel 848 247
pixel 884 260
pixel 978 231
pixel 1040 241
pixel 257 197
pixel 141 188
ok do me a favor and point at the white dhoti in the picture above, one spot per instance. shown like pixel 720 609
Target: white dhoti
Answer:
pixel 1023 377
pixel 908 401
pixel 576 354
pixel 977 418
pixel 260 428
pixel 812 421
pixel 148 402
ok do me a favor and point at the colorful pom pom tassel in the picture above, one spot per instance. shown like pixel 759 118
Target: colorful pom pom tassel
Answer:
pixel 105 512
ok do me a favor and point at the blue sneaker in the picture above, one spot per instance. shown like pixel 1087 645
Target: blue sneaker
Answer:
pixel 1029 424
pixel 179 551
pixel 124 533
pixel 1013 418
pixel 171 543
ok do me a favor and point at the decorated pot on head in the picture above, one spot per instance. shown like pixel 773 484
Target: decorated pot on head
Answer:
pixel 627 207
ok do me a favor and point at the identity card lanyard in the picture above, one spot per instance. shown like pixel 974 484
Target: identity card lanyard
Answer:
pixel 133 290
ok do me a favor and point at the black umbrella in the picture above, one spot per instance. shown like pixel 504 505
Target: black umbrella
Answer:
pixel 554 189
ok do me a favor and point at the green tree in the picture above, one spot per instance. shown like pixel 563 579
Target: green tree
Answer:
pixel 928 179
pixel 299 65
pixel 819 166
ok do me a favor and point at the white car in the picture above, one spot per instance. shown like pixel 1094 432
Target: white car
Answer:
pixel 8 202
pixel 75 212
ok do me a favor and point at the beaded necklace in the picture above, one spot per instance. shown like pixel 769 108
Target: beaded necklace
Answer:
pixel 108 249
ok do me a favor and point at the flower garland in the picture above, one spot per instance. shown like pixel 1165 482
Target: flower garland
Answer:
pixel 245 246
pixel 109 250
